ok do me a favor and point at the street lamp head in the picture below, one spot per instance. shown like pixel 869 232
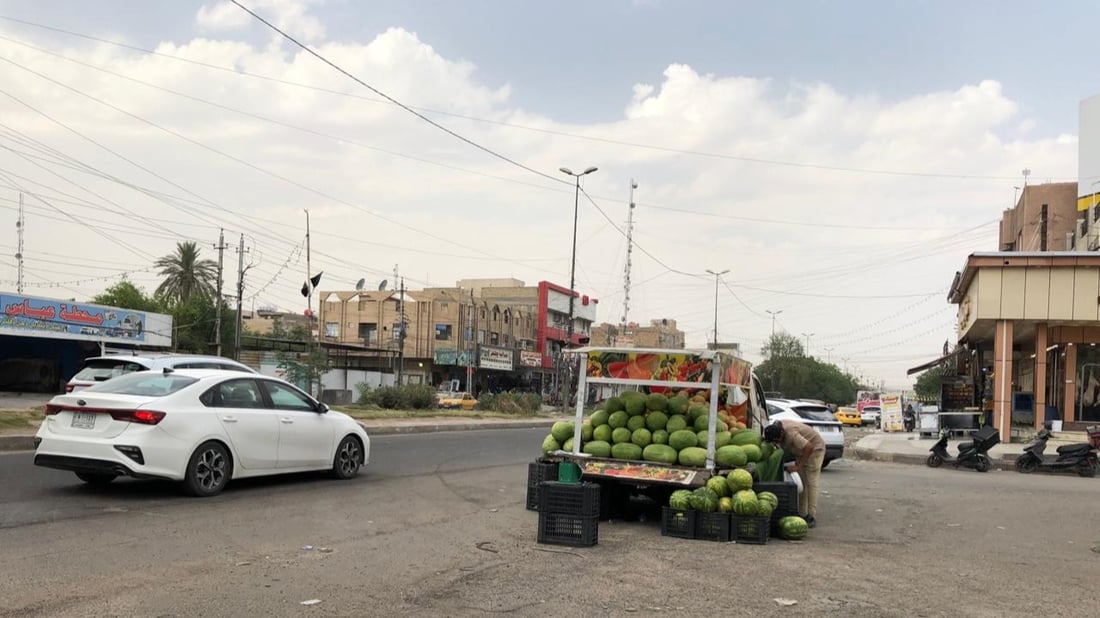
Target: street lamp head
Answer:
pixel 565 170
pixel 590 170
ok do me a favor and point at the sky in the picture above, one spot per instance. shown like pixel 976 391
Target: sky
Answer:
pixel 840 159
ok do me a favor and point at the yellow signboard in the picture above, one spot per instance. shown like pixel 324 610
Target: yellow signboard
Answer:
pixel 1086 202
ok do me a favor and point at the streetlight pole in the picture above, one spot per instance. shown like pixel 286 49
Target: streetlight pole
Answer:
pixel 773 314
pixel 566 386
pixel 829 355
pixel 807 336
pixel 716 277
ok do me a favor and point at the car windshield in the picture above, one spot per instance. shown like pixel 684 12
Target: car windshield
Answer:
pixel 100 369
pixel 148 384
pixel 814 413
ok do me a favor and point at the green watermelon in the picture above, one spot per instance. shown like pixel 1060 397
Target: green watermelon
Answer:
pixel 793 528
pixel 764 508
pixel 634 402
pixel 635 423
pixel 568 446
pixel 660 437
pixel 642 437
pixel 676 423
pixel 704 499
pixel 656 402
pixel 745 503
pixel 697 410
pixel 659 453
pixel 586 431
pixel 618 419
pixel 746 436
pixel 739 480
pixel 656 420
pixel 722 438
pixel 613 405
pixel 730 456
pixel 620 435
pixel 562 430
pixel 680 499
pixel 725 505
pixel 626 450
pixel 767 496
pixel 752 452
pixel 599 417
pixel 550 444
pixel 682 439
pixel 719 486
pixel 766 449
pixel 678 405
pixel 693 456
pixel 597 448
pixel 602 433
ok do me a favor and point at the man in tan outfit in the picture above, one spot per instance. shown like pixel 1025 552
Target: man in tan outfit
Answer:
pixel 805 444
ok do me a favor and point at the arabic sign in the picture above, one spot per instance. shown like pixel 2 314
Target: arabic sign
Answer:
pixel 891 413
pixel 451 356
pixel 528 358
pixel 495 358
pixel 39 317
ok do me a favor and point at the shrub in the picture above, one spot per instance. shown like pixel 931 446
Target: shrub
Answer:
pixel 404 397
pixel 511 402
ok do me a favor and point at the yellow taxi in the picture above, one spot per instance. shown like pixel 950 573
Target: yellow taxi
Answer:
pixel 848 416
pixel 455 401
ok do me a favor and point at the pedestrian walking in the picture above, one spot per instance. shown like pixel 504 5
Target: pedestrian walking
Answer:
pixel 803 443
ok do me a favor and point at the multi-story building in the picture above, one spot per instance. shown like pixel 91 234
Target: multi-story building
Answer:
pixel 1042 217
pixel 660 334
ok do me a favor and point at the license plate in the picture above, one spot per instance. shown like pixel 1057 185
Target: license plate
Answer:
pixel 83 420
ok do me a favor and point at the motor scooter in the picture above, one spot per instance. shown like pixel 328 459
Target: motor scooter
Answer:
pixel 1080 458
pixel 971 455
pixel 909 420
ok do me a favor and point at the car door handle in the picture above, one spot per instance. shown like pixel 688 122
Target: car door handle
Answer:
pixel 229 419
pixel 286 420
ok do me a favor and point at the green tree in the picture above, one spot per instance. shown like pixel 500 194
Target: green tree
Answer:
pixel 304 370
pixel 193 325
pixel 787 370
pixel 929 384
pixel 185 275
pixel 126 295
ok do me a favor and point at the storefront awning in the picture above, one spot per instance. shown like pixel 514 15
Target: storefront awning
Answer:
pixel 939 361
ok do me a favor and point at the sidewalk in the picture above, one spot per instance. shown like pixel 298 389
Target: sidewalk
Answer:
pixel 910 448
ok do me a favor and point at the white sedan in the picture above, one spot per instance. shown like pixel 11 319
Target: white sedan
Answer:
pixel 201 427
pixel 816 416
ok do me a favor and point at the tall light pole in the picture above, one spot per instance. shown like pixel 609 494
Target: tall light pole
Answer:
pixel 807 336
pixel 829 355
pixel 716 277
pixel 773 314
pixel 566 386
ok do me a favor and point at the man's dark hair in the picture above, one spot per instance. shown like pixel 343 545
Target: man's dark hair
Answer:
pixel 773 432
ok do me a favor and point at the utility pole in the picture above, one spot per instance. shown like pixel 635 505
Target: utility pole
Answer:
pixel 807 336
pixel 717 276
pixel 773 314
pixel 218 306
pixel 629 247
pixel 1043 227
pixel 19 225
pixel 401 334
pixel 829 355
pixel 240 299
pixel 309 312
pixel 471 345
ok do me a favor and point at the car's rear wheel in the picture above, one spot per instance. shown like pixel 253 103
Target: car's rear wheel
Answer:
pixel 348 458
pixel 94 479
pixel 208 470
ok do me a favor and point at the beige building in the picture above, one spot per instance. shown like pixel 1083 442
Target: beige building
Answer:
pixel 270 321
pixel 1041 219
pixel 660 334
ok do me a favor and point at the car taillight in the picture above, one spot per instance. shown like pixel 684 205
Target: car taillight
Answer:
pixel 52 408
pixel 144 417
pixel 69 388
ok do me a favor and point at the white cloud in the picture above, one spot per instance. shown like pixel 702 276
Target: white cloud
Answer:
pixel 221 16
pixel 509 228
pixel 289 15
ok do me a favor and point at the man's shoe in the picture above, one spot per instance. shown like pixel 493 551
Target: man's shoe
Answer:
pixel 810 521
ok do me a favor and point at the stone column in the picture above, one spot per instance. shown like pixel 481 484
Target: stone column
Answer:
pixel 1042 336
pixel 1002 383
pixel 1070 410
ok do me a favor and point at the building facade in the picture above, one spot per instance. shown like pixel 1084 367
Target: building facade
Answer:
pixel 1041 219
pixel 659 334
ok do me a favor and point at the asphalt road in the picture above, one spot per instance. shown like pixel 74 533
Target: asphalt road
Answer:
pixel 438 528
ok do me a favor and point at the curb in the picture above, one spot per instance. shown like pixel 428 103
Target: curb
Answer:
pixel 392 430
pixel 914 459
pixel 16 443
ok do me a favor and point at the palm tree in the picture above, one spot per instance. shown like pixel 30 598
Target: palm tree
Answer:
pixel 185 275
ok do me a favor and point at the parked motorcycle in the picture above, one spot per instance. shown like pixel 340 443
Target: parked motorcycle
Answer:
pixel 909 420
pixel 971 455
pixel 1080 458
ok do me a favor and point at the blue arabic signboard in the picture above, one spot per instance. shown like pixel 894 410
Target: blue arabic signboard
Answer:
pixel 25 313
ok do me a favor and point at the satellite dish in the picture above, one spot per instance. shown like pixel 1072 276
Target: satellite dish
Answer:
pixel 382 286
pixel 359 285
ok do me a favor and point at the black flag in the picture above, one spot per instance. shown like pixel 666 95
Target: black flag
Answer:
pixel 311 284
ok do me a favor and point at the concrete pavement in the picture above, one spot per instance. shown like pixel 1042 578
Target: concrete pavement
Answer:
pixel 910 448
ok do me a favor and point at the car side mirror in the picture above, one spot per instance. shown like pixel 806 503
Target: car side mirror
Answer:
pixel 322 408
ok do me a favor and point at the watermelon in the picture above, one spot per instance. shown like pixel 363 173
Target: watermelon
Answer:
pixel 678 405
pixel 793 528
pixel 656 403
pixel 656 420
pixel 730 456
pixel 568 446
pixel 562 430
pixel 752 452
pixel 739 480
pixel 682 439
pixel 659 453
pixel 586 431
pixel 626 450
pixel 745 503
pixel 767 496
pixel 704 499
pixel 725 505
pixel 680 499
pixel 597 448
pixel 635 422
pixel 620 435
pixel 766 449
pixel 634 402
pixel 718 485
pixel 613 405
pixel 697 410
pixel 550 444
pixel 599 417
pixel 618 419
pixel 746 436
pixel 602 433
pixel 676 423
pixel 642 437
pixel 693 456
pixel 660 437
pixel 722 438
pixel 764 508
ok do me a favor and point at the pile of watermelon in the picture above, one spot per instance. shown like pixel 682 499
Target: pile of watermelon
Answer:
pixel 734 494
pixel 663 429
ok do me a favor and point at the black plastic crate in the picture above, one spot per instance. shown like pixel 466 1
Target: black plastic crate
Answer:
pixel 677 523
pixel 787 493
pixel 712 527
pixel 568 529
pixel 537 472
pixel 750 529
pixel 570 498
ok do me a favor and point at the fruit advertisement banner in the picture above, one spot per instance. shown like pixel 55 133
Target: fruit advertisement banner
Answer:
pixel 637 470
pixel 891 413
pixel 868 398
pixel 648 366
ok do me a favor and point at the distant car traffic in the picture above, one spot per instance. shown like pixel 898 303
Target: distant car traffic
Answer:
pixel 102 368
pixel 455 401
pixel 848 416
pixel 871 415
pixel 814 415
pixel 200 427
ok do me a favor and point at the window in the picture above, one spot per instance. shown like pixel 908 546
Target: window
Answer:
pixel 395 331
pixel 144 384
pixel 481 336
pixel 444 306
pixel 100 369
pixel 482 313
pixel 368 333
pixel 332 329
pixel 234 394
pixel 494 339
pixel 506 340
pixel 285 397
pixel 507 317
pixel 496 314
pixel 442 332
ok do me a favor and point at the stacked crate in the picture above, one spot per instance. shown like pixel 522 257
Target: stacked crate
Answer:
pixel 569 513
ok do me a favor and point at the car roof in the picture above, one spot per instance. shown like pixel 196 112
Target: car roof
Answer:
pixel 156 358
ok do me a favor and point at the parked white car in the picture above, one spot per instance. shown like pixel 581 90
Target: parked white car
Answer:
pixel 870 415
pixel 102 368
pixel 201 427
pixel 816 416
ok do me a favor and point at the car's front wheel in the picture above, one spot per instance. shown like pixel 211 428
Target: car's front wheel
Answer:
pixel 95 480
pixel 208 470
pixel 348 459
